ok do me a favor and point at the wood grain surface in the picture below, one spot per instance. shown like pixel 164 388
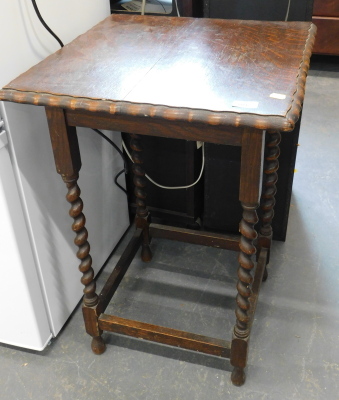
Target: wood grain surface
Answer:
pixel 326 8
pixel 220 72
pixel 327 41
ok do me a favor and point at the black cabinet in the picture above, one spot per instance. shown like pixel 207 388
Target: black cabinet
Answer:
pixel 170 162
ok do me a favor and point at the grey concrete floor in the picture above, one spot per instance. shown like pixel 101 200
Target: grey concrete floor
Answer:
pixel 294 350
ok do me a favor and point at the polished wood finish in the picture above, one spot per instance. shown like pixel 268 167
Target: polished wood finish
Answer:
pixel 326 8
pixel 173 337
pixel 251 77
pixel 327 38
pixel 143 83
pixel 145 124
pixel 186 6
pixel 326 18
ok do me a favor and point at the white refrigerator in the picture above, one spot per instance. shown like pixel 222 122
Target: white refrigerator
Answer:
pixel 40 281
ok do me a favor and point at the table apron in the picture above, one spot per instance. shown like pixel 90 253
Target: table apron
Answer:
pixel 186 130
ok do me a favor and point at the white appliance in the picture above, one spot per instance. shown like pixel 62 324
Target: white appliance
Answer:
pixel 40 281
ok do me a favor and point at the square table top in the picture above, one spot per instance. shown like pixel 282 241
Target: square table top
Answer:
pixel 219 72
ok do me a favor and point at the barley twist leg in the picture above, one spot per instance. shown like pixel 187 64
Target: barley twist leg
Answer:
pixel 246 264
pixel 142 214
pixel 242 327
pixel 90 298
pixel 271 166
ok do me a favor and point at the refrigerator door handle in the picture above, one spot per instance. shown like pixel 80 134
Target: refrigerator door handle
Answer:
pixel 3 135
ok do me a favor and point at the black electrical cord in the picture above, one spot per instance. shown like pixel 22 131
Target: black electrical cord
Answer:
pixel 116 181
pixel 96 130
pixel 45 25
pixel 122 156
pixel 114 145
pixel 161 5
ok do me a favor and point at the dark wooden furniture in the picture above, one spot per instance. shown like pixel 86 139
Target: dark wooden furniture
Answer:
pixel 170 162
pixel 222 210
pixel 252 78
pixel 326 18
pixel 226 159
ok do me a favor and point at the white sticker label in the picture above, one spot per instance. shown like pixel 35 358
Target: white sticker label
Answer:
pixel 278 96
pixel 245 104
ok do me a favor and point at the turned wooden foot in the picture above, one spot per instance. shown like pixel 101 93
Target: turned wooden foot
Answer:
pixel 146 253
pixel 238 376
pixel 98 345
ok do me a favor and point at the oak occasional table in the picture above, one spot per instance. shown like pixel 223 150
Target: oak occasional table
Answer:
pixel 236 83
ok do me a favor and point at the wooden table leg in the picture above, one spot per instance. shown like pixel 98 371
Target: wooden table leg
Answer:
pixel 68 163
pixel 250 189
pixel 142 215
pixel 267 203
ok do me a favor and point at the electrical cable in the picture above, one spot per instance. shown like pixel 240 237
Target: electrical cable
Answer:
pixel 172 187
pixel 96 130
pixel 45 25
pixel 143 6
pixel 176 5
pixel 288 10
pixel 108 139
pixel 161 5
pixel 117 183
pixel 122 156
pixel 114 145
